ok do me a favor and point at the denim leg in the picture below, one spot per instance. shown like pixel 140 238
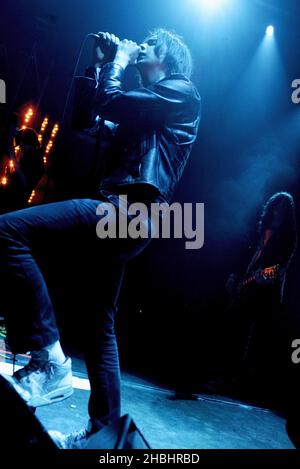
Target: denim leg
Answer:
pixel 24 297
pixel 30 316
pixel 101 350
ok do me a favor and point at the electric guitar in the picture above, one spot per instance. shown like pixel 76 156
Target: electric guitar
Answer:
pixel 268 273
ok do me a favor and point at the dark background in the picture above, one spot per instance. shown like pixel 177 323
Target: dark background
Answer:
pixel 173 300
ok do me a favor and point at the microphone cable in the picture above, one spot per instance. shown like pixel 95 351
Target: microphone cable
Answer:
pixel 73 78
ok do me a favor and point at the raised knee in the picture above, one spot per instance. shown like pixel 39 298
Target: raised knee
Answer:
pixel 3 225
pixel 6 227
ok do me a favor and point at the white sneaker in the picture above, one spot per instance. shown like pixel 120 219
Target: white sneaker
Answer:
pixel 75 440
pixel 43 381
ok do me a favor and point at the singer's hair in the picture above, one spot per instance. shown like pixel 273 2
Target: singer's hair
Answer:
pixel 177 58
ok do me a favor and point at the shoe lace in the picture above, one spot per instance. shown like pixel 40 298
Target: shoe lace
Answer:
pixel 38 362
pixel 75 440
pixel 77 437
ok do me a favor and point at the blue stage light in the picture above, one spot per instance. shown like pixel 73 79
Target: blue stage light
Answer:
pixel 212 4
pixel 211 8
pixel 270 30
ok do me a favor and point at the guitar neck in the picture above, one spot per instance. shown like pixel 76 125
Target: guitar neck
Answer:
pixel 248 280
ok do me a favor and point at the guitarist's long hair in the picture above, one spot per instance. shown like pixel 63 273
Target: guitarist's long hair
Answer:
pixel 289 223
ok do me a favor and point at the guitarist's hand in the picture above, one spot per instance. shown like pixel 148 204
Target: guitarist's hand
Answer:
pixel 262 279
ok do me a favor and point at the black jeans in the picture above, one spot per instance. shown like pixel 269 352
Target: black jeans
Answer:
pixel 29 312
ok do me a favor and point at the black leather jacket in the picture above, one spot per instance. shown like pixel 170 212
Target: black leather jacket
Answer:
pixel 156 128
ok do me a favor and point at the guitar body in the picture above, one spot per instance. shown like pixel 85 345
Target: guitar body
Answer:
pixel 265 276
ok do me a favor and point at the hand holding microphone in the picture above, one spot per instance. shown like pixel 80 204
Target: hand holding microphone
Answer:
pixel 129 50
pixel 123 52
pixel 106 45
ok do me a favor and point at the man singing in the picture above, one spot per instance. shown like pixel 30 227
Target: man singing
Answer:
pixel 155 127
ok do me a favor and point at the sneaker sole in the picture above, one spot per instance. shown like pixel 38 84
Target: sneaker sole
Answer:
pixel 50 398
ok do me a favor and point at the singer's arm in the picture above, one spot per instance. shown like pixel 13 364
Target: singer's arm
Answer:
pixel 158 103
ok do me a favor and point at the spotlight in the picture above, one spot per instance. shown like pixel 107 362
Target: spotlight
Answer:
pixel 212 4
pixel 270 30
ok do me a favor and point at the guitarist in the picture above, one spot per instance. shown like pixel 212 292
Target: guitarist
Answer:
pixel 257 296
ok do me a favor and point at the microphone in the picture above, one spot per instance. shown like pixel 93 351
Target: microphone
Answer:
pixel 107 49
pixel 94 36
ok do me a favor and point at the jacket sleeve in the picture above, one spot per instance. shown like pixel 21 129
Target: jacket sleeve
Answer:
pixel 158 103
pixel 83 101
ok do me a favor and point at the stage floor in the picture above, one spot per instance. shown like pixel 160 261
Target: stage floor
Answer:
pixel 211 422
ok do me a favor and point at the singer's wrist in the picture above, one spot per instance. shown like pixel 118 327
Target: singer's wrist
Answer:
pixel 121 59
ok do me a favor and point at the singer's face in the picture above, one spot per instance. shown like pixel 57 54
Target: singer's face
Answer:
pixel 147 58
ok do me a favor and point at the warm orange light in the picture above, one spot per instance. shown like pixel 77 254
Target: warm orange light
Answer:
pixel 27 116
pixel 51 140
pixel 54 130
pixel 44 124
pixel 31 196
pixel 4 181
